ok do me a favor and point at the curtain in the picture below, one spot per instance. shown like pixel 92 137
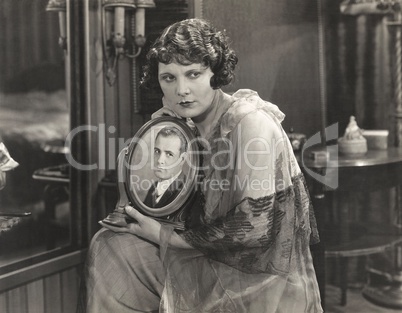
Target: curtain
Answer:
pixel 359 69
pixel 28 36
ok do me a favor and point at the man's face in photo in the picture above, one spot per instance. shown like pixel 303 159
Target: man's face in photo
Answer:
pixel 168 159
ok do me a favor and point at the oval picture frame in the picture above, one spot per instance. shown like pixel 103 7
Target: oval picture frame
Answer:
pixel 137 172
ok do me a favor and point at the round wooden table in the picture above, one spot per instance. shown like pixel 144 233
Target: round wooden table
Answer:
pixel 347 175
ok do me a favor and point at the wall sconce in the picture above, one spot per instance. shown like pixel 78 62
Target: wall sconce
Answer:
pixel 60 7
pixel 114 30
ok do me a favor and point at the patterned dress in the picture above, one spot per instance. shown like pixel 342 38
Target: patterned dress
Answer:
pixel 252 245
pixel 252 237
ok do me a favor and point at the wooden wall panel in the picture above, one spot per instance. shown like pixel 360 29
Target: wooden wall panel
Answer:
pixel 17 300
pixel 57 293
pixel 35 297
pixel 52 290
pixel 70 287
pixel 3 302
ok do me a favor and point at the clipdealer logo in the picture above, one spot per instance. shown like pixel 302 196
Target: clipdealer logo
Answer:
pixel 254 150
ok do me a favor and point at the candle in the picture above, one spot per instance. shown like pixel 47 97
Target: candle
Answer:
pixel 119 21
pixel 140 21
pixel 62 24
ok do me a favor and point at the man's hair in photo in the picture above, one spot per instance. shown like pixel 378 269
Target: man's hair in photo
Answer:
pixel 171 131
pixel 192 41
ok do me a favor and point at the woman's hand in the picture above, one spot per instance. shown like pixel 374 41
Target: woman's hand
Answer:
pixel 143 226
pixel 165 111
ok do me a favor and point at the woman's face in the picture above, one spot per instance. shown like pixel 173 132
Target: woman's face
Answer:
pixel 186 88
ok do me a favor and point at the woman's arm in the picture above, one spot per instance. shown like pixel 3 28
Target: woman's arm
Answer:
pixel 252 220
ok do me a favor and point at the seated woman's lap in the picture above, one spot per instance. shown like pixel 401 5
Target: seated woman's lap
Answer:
pixel 125 273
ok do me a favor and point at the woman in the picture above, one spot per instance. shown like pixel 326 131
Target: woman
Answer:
pixel 249 251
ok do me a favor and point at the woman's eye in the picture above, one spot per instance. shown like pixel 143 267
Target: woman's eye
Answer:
pixel 195 74
pixel 170 154
pixel 156 151
pixel 168 78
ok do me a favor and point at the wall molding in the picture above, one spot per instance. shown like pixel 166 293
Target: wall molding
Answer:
pixel 40 270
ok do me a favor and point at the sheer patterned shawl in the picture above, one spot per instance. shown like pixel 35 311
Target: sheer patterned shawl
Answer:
pixel 252 245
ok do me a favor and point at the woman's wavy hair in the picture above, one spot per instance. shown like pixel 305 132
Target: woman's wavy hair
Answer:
pixel 187 42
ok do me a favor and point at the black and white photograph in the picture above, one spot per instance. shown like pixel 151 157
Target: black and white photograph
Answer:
pixel 200 156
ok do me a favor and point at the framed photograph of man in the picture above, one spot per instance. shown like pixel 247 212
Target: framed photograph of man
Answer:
pixel 158 170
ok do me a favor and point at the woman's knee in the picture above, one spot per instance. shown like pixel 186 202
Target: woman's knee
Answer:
pixel 123 245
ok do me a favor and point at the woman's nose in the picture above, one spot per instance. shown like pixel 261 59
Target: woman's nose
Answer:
pixel 182 88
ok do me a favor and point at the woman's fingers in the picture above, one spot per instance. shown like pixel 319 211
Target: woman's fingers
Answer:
pixel 116 229
pixel 163 112
pixel 134 213
pixel 160 113
pixel 142 226
pixel 132 228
